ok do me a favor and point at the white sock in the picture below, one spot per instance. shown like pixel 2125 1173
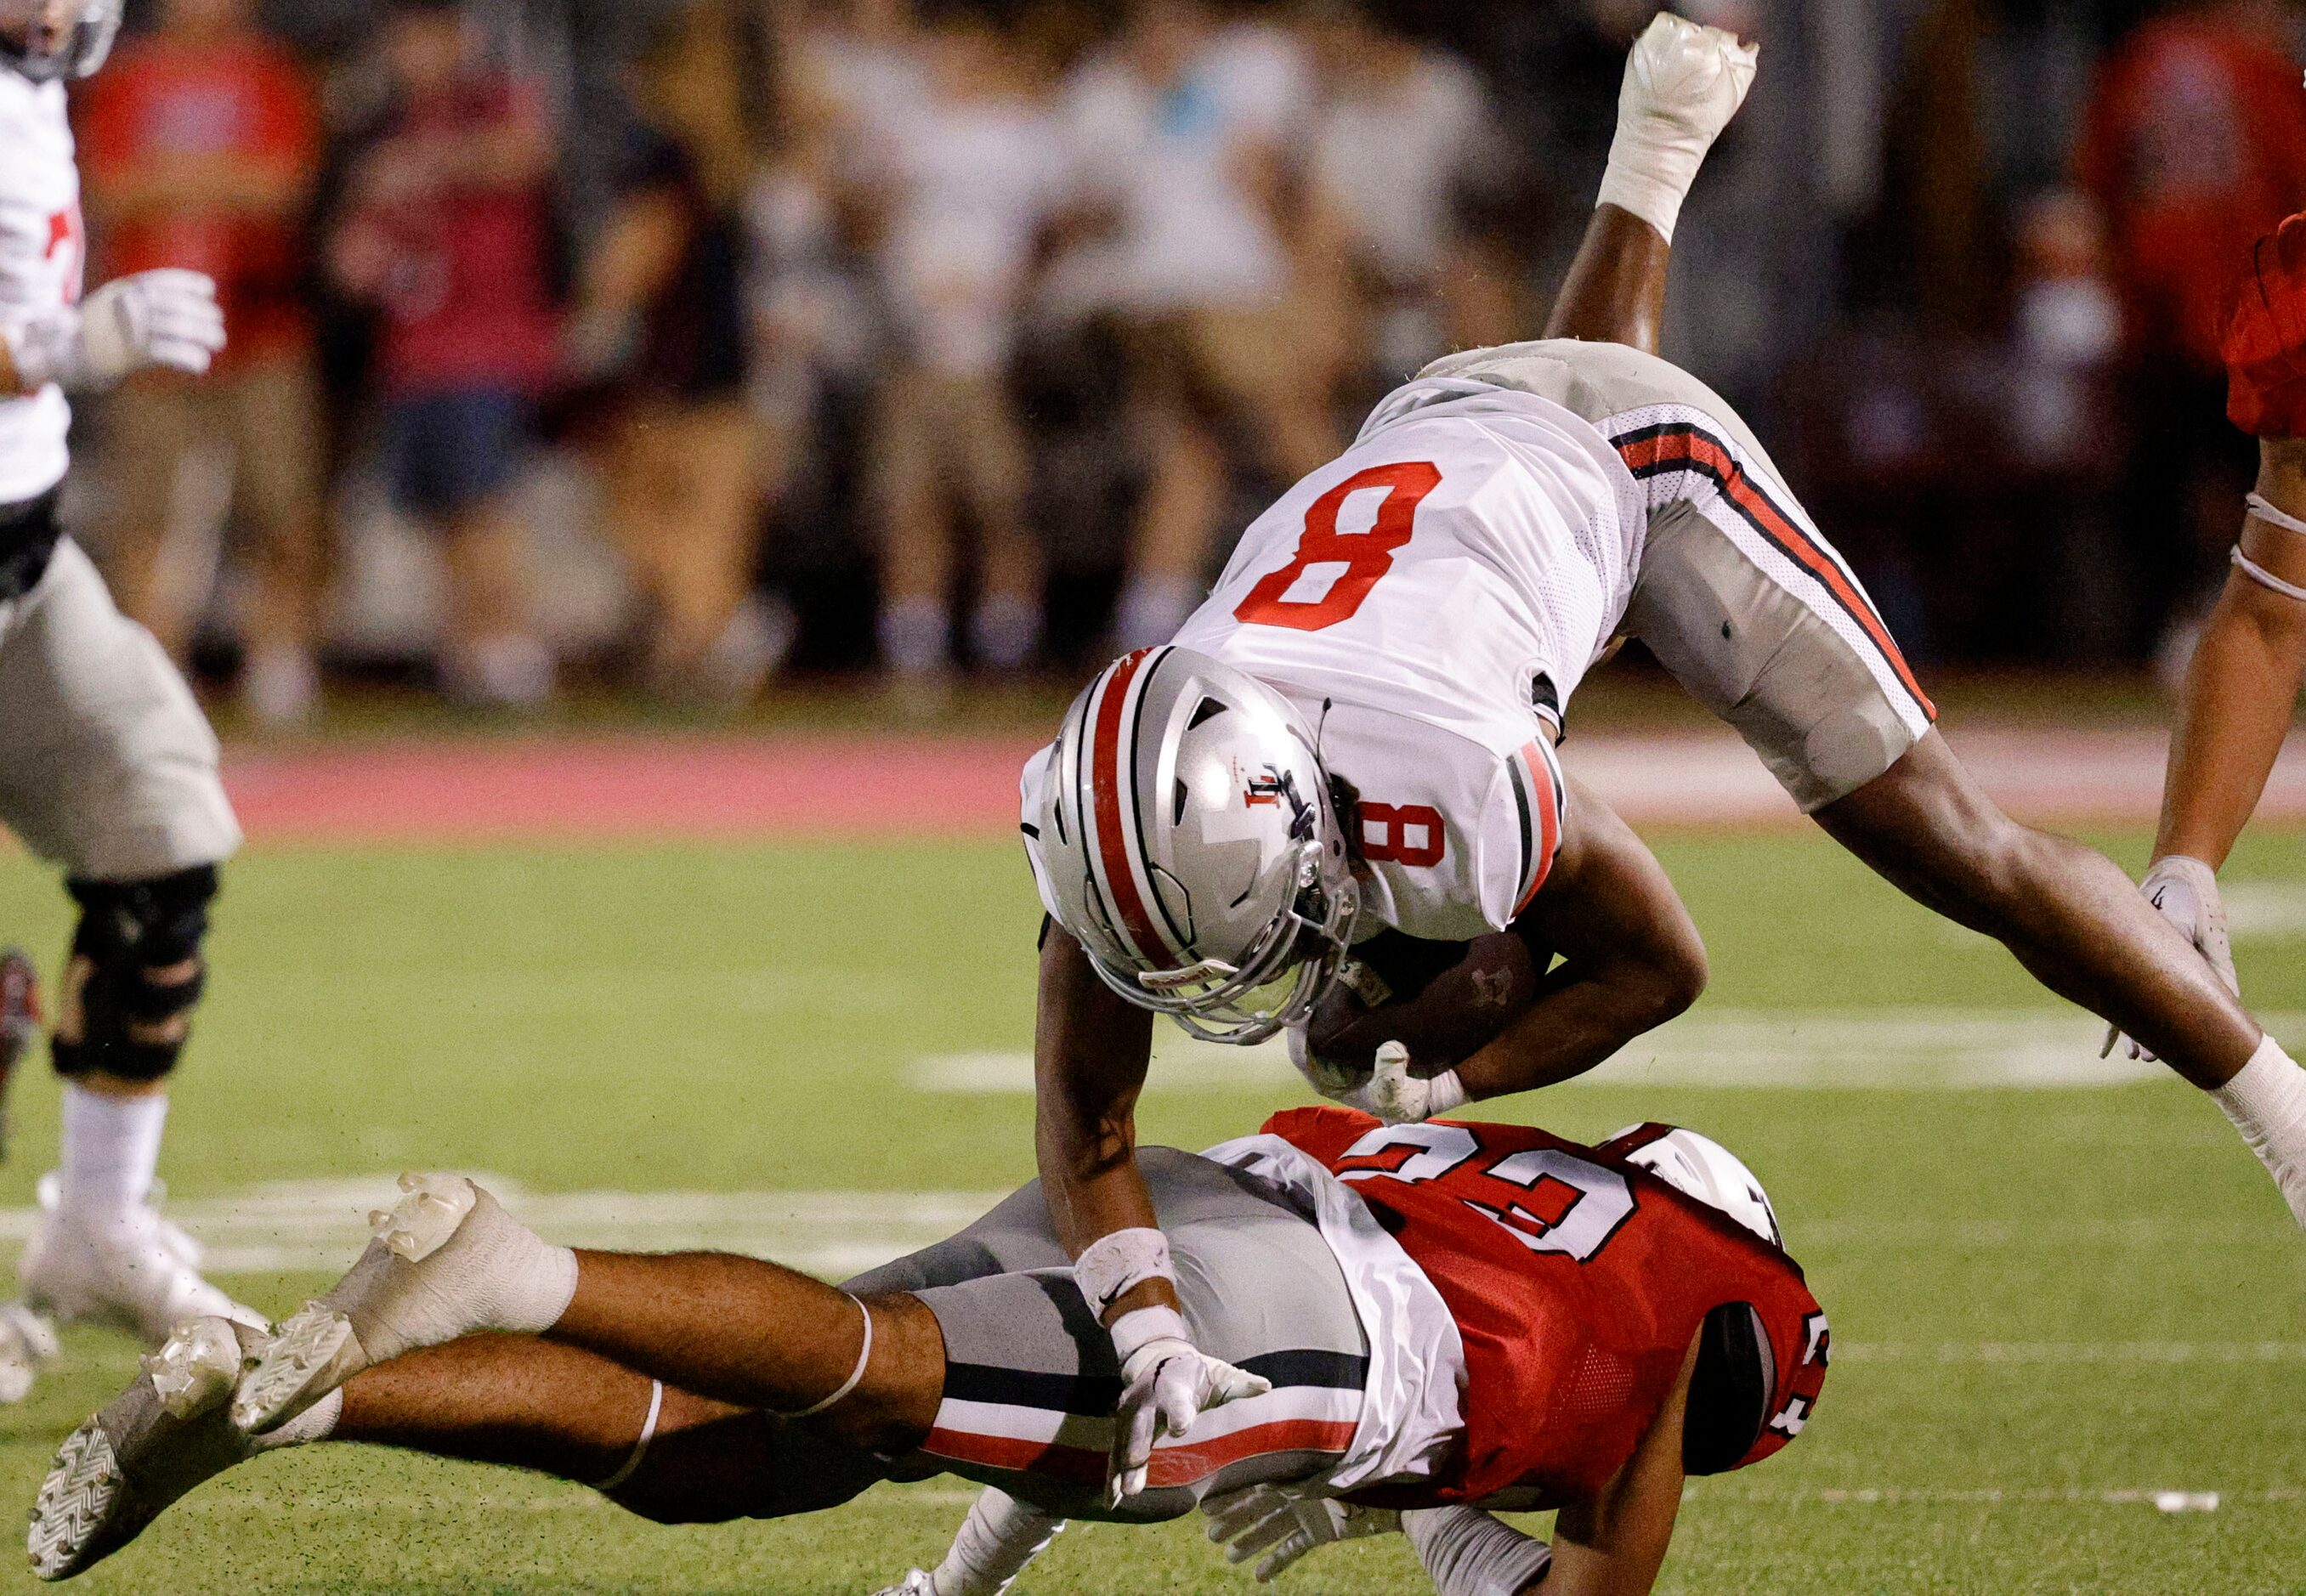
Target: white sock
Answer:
pixel 111 1151
pixel 1468 1553
pixel 315 1423
pixel 2267 1102
pixel 492 1273
pixel 916 636
pixel 998 1538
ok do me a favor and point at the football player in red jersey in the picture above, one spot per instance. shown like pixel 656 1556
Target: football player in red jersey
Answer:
pixel 1444 1316
pixel 2243 685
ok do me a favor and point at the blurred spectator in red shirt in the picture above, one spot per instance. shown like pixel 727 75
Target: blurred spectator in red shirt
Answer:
pixel 449 232
pixel 2195 146
pixel 200 144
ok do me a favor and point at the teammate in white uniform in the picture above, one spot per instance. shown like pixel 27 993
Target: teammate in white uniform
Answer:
pixel 1388 655
pixel 110 770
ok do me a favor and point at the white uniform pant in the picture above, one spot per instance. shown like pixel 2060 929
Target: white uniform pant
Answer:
pixel 106 765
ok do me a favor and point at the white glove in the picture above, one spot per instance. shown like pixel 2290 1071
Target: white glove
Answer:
pixel 2186 891
pixel 153 319
pixel 1683 84
pixel 1397 1096
pixel 1168 1382
pixel 1284 1528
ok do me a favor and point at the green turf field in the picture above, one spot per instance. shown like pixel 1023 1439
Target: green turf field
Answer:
pixel 2045 1302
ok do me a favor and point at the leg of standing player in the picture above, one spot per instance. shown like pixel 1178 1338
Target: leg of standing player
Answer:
pixel 113 773
pixel 2070 915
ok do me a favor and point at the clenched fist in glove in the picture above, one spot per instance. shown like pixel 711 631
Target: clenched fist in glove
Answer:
pixel 2186 891
pixel 1683 84
pixel 155 319
pixel 1388 1091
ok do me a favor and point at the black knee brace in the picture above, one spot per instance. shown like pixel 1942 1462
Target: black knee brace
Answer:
pixel 128 930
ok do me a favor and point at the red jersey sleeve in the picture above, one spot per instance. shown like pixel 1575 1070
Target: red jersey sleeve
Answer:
pixel 2266 338
pixel 1579 1284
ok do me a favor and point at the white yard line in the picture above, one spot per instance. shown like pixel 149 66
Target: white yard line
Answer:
pixel 1927 1049
pixel 1987 1495
pixel 322 1225
pixel 2067 1353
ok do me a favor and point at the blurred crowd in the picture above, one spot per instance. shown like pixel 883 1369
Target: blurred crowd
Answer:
pixel 672 343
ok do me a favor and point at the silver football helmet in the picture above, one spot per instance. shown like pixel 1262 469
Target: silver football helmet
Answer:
pixel 80 49
pixel 1193 847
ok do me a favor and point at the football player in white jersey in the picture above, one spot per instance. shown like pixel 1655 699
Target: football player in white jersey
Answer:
pixel 110 770
pixel 1355 735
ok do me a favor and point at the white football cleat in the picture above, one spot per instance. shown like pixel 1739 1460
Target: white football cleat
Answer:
pixel 133 1271
pixel 166 1433
pixel 445 1261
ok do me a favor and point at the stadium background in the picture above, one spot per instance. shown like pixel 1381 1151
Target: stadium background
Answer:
pixel 682 958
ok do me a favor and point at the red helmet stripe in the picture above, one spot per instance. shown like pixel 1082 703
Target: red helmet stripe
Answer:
pixel 1109 779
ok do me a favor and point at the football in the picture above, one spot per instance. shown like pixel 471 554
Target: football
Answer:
pixel 1442 1000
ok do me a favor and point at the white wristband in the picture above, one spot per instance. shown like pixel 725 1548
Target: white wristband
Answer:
pixel 2265 578
pixel 1113 1266
pixel 2265 511
pixel 1135 1331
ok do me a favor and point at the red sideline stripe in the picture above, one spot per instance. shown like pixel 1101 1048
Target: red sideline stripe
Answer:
pixel 1544 797
pixel 1680 447
pixel 1172 1465
pixel 639 788
pixel 1105 781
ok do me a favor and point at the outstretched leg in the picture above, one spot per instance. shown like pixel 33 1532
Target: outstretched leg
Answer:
pixel 2068 914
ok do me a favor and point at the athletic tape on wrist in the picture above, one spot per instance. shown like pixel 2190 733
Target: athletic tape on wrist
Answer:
pixel 1447 1092
pixel 640 1447
pixel 1135 1331
pixel 856 1375
pixel 2265 578
pixel 2260 507
pixel 1111 1267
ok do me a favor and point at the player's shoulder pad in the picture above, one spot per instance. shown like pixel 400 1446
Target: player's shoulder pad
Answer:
pixel 1458 827
pixel 1030 785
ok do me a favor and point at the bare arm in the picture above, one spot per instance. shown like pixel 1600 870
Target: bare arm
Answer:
pixel 1615 293
pixel 2244 680
pixel 1091 1052
pixel 1632 958
pixel 1615 1544
pixel 11 382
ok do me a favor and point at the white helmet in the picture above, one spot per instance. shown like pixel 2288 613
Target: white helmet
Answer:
pixel 1699 1166
pixel 95 24
pixel 1193 846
